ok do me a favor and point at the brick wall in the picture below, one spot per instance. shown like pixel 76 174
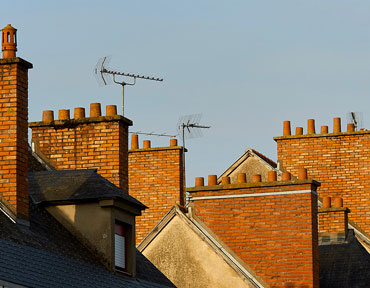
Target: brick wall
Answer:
pixel 339 161
pixel 156 178
pixel 333 220
pixel 99 142
pixel 13 134
pixel 272 226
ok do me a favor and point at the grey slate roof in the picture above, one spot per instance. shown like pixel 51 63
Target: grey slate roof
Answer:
pixel 344 265
pixel 45 254
pixel 74 185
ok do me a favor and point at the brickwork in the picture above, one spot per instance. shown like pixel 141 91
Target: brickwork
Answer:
pixel 13 134
pixel 333 220
pixel 339 161
pixel 156 178
pixel 276 234
pixel 93 142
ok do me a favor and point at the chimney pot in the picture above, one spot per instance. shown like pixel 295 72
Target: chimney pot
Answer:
pixel 298 130
pixel 286 128
pixel 326 202
pixel 135 141
pixel 63 114
pixel 95 110
pixel 9 41
pixel 79 113
pixel 272 176
pixel 146 144
pixel 47 115
pixel 302 173
pixel 242 178
pixel 111 110
pixel 256 178
pixel 212 180
pixel 311 126
pixel 199 181
pixel 336 125
pixel 350 127
pixel 173 142
pixel 225 180
pixel 324 129
pixel 286 176
pixel 338 202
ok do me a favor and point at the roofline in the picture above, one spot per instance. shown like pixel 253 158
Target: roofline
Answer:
pixel 194 223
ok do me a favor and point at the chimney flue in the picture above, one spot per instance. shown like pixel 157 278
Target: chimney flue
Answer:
pixel 9 41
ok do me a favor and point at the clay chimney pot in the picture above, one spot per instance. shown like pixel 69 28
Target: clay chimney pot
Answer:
pixel 173 142
pixel 146 144
pixel 350 127
pixel 256 178
pixel 79 113
pixel 311 126
pixel 337 125
pixel 212 180
pixel 286 128
pixel 9 41
pixel 326 202
pixel 63 114
pixel 286 176
pixel 95 110
pixel 242 178
pixel 338 202
pixel 199 181
pixel 302 173
pixel 111 110
pixel 135 141
pixel 225 180
pixel 47 115
pixel 272 176
pixel 324 129
pixel 298 131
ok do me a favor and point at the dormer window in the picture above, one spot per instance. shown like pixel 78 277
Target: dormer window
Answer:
pixel 120 244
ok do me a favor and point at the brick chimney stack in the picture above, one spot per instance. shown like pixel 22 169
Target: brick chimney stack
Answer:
pixel 13 128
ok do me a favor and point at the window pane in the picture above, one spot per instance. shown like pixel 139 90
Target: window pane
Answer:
pixel 119 251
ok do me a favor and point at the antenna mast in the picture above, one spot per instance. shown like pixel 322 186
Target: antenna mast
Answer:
pixel 101 71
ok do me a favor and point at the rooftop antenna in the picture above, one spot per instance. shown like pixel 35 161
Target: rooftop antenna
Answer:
pixel 189 127
pixel 356 119
pixel 153 134
pixel 104 75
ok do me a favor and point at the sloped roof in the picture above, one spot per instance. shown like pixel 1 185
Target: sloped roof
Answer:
pixel 74 185
pixel 45 254
pixel 344 265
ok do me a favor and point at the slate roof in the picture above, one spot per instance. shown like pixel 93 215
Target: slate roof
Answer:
pixel 74 185
pixel 344 265
pixel 45 254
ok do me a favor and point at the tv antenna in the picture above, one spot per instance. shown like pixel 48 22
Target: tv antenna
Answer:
pixel 104 74
pixel 356 119
pixel 189 127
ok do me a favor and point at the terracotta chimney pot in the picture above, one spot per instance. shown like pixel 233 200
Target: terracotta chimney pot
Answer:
pixel 302 173
pixel 242 178
pixel 272 176
pixel 286 128
pixel 256 178
pixel 79 113
pixel 173 142
pixel 135 141
pixel 350 127
pixel 338 202
pixel 199 181
pixel 63 114
pixel 95 110
pixel 298 130
pixel 311 126
pixel 324 129
pixel 326 202
pixel 225 180
pixel 212 180
pixel 336 125
pixel 47 116
pixel 146 144
pixel 286 176
pixel 111 110
pixel 9 41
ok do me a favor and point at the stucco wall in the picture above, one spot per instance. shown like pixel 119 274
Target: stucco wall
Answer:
pixel 188 261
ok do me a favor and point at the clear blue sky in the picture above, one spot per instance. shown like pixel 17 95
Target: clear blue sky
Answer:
pixel 246 65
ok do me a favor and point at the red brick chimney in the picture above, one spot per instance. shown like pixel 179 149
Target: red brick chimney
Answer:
pixel 97 141
pixel 13 127
pixel 272 226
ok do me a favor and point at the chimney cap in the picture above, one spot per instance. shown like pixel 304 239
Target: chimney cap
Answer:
pixel 9 27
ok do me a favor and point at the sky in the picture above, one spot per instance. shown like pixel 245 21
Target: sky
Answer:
pixel 246 66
